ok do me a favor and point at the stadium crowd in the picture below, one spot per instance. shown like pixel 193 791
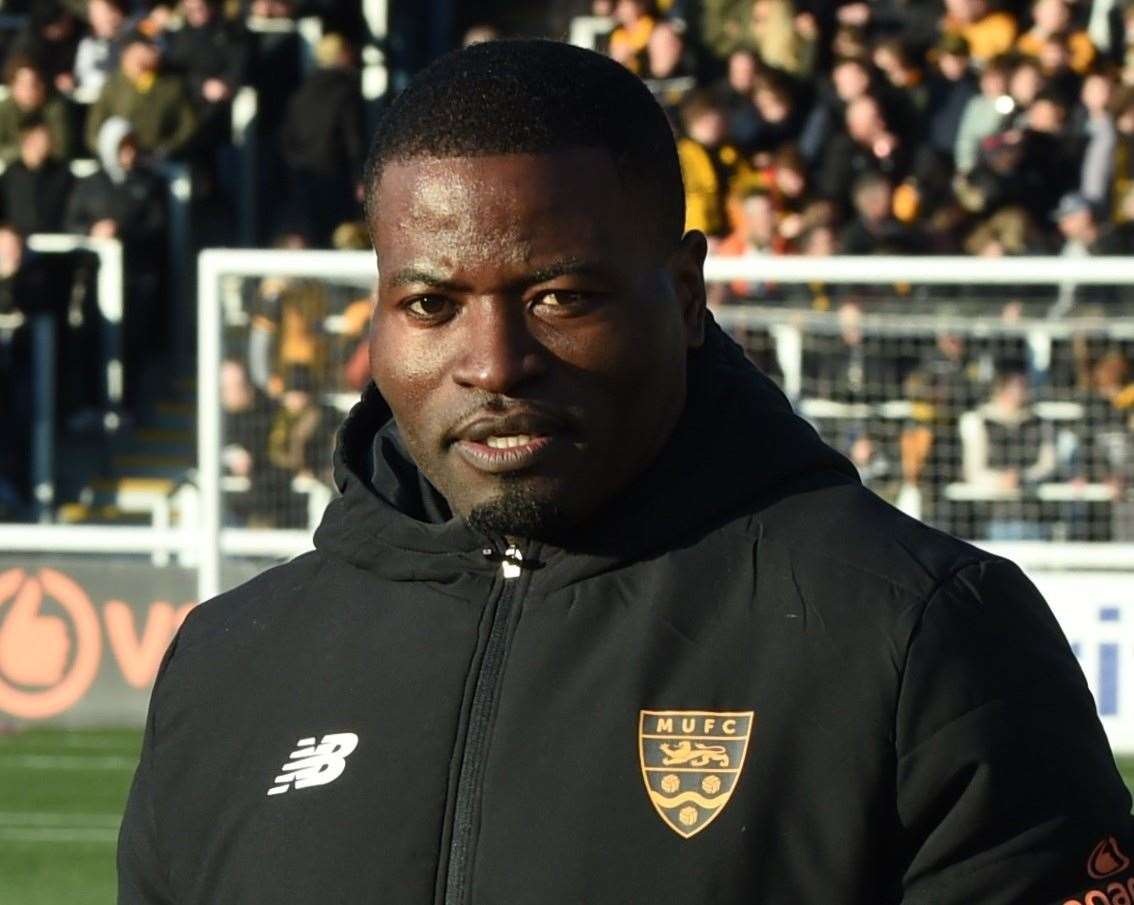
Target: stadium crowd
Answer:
pixel 892 127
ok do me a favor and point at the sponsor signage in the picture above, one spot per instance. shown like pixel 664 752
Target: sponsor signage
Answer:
pixel 81 639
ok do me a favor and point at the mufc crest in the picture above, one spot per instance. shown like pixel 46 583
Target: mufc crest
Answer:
pixel 691 762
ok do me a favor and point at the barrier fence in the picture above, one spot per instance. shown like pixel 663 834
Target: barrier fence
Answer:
pixel 991 398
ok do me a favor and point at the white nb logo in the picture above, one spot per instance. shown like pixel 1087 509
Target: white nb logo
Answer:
pixel 315 765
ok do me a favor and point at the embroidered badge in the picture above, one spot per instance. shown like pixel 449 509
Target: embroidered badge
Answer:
pixel 691 762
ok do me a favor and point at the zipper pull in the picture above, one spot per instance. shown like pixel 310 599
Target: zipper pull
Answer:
pixel 511 560
pixel 512 563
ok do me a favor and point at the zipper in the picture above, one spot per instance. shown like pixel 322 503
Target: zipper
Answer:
pixel 471 776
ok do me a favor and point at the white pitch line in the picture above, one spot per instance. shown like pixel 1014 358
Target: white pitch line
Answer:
pixel 9 819
pixel 57 834
pixel 68 762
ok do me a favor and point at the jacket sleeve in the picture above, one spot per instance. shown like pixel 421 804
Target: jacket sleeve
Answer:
pixel 142 873
pixel 1007 791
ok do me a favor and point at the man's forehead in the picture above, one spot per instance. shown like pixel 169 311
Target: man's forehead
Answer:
pixel 519 206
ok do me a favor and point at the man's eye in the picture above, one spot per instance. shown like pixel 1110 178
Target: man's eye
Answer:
pixel 564 299
pixel 429 307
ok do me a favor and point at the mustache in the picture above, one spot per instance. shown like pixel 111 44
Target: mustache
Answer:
pixel 501 416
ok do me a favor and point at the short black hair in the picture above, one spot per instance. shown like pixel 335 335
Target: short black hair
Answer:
pixel 536 97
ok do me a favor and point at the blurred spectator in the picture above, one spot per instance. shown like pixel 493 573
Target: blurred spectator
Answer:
pixel 1051 24
pixel 778 118
pixel 755 234
pixel 52 38
pixel 735 93
pixel 155 102
pixel 1005 448
pixel 212 54
pixel 849 367
pixel 988 31
pixel 1010 231
pixel 97 54
pixel 30 97
pixel 710 165
pixel 631 37
pixel 875 229
pixel 950 87
pixel 35 188
pixel 668 72
pixel 287 331
pixel 125 199
pixel 323 144
pixel 783 40
pixel 247 421
pixel 300 438
pixel 984 114
pixel 1101 140
pixel 866 453
pixel 868 145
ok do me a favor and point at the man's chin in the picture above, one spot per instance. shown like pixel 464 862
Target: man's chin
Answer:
pixel 520 511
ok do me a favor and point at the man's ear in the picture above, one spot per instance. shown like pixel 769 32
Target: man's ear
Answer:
pixel 686 269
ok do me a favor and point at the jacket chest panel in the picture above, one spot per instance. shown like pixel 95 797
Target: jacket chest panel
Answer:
pixel 706 805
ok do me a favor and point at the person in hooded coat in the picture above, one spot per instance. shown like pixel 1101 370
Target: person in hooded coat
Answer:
pixel 596 617
pixel 126 200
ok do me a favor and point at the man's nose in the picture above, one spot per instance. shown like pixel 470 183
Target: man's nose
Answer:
pixel 499 352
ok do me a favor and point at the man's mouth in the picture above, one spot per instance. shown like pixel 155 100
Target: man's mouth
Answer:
pixel 498 454
pixel 513 442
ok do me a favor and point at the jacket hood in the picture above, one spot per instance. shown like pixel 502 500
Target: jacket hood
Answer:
pixel 110 137
pixel 737 447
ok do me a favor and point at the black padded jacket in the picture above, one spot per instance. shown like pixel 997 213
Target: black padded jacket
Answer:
pixel 749 681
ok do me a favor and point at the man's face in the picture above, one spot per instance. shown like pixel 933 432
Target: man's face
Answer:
pixel 28 90
pixel 35 146
pixel 529 334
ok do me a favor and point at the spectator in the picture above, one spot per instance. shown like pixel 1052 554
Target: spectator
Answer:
pixel 155 102
pixel 35 188
pixel 51 38
pixel 1051 23
pixel 735 93
pixel 212 54
pixel 1026 83
pixel 779 118
pixel 904 74
pixel 867 146
pixel 950 87
pixel 323 145
pixel 300 439
pixel 781 40
pixel 984 114
pixel 97 54
pixel 849 367
pixel 247 420
pixel 668 73
pixel 988 31
pixel 1004 449
pixel 875 229
pixel 710 165
pixel 1101 140
pixel 30 97
pixel 755 235
pixel 125 199
pixel 631 37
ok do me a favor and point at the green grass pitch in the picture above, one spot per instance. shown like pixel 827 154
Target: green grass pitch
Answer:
pixel 61 796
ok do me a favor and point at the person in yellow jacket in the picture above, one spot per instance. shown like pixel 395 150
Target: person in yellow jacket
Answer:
pixel 1052 23
pixel 710 166
pixel 989 31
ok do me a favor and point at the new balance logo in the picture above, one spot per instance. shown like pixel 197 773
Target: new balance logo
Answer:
pixel 315 764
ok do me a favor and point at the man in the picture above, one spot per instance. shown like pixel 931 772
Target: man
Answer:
pixel 597 618
pixel 155 102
